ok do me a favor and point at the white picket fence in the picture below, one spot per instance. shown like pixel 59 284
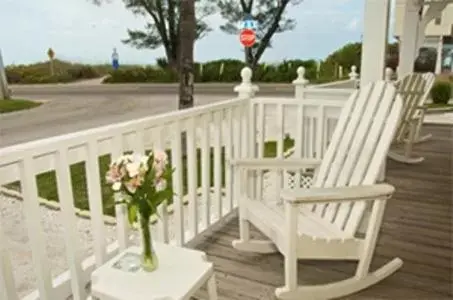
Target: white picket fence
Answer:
pixel 215 134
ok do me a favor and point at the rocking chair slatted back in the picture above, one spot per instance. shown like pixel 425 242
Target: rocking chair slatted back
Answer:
pixel 429 82
pixel 357 149
pixel 412 90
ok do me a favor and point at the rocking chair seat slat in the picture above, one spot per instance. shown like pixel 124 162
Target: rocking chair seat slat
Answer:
pixel 310 224
pixel 348 193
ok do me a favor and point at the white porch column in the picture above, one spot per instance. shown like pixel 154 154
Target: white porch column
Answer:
pixel 440 46
pixel 375 37
pixel 408 42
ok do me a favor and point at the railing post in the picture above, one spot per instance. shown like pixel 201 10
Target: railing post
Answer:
pixel 246 89
pixel 354 76
pixel 300 83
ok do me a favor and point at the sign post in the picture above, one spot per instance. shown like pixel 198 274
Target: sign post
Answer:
pixel 115 60
pixel 51 55
pixel 4 92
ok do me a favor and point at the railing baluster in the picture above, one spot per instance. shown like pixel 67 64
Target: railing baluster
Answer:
pixel 95 202
pixel 192 175
pixel 319 132
pixel 206 168
pixel 218 116
pixel 7 282
pixel 176 160
pixel 252 147
pixel 236 146
pixel 139 141
pixel 122 226
pixel 34 228
pixel 280 147
pixel 261 128
pixel 228 156
pixel 68 218
pixel 162 226
pixel 299 140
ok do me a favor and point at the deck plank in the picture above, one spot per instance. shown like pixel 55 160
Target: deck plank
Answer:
pixel 417 228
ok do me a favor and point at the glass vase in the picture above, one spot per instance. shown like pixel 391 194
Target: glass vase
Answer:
pixel 149 259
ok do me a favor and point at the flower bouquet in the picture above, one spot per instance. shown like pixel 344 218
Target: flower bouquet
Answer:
pixel 143 183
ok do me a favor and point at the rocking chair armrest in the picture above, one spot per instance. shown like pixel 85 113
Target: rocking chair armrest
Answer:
pixel 337 194
pixel 275 163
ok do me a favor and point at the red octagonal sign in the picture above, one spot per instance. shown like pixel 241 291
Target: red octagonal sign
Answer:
pixel 247 37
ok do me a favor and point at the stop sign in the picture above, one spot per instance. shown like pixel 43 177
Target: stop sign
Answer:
pixel 247 37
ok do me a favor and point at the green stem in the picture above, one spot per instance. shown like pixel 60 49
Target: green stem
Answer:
pixel 144 224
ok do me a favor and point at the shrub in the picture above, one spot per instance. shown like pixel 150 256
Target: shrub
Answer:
pixel 223 70
pixel 441 92
pixel 40 72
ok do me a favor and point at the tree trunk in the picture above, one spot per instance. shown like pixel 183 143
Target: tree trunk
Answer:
pixel 187 31
pixel 187 37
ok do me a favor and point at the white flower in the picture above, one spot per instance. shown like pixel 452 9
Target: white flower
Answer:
pixel 133 168
pixel 144 163
pixel 116 186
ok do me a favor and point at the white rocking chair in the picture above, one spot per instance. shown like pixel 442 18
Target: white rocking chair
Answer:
pixel 321 222
pixel 422 107
pixel 412 90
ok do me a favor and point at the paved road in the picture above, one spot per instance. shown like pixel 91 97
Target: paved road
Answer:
pixel 141 89
pixel 69 113
pixel 73 107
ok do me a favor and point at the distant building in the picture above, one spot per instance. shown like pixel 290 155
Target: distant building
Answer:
pixel 438 35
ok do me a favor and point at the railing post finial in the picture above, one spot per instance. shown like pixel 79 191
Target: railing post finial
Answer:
pixel 300 83
pixel 353 75
pixel 246 89
pixel 388 74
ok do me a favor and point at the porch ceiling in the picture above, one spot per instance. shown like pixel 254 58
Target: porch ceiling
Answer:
pixel 417 228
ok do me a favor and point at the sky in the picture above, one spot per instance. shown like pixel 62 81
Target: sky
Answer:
pixel 79 31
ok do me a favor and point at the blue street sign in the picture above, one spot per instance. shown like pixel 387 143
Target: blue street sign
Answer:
pixel 249 23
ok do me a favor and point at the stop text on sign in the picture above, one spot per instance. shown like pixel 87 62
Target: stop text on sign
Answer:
pixel 247 37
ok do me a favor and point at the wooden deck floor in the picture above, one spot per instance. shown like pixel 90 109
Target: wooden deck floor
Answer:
pixel 417 228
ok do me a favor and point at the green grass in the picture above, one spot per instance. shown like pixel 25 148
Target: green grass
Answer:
pixel 438 105
pixel 47 187
pixel 11 105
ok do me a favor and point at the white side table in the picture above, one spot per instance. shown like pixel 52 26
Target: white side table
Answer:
pixel 181 272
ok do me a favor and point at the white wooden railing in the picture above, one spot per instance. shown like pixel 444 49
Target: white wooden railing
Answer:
pixel 215 133
pixel 208 129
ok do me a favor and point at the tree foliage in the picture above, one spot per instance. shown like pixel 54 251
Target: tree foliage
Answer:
pixel 270 16
pixel 351 54
pixel 162 26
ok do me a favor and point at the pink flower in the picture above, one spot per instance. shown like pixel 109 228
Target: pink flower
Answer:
pixel 134 183
pixel 160 161
pixel 160 156
pixel 114 174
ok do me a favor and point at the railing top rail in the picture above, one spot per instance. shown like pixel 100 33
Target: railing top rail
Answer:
pixel 14 153
pixel 294 101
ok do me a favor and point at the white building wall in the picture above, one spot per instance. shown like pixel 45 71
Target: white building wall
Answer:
pixel 432 29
